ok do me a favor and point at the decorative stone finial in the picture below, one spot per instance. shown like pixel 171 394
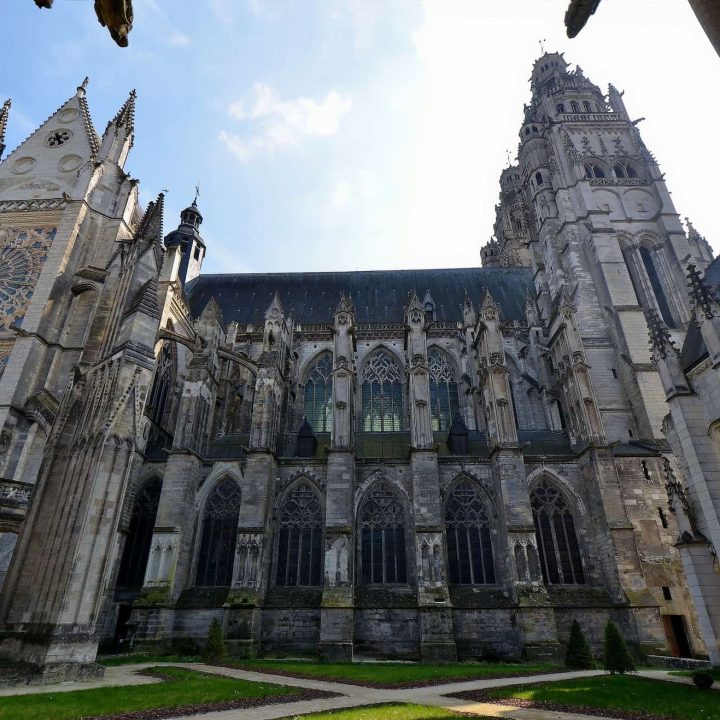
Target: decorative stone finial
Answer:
pixel 83 87
pixel 700 294
pixel 344 306
pixel 660 340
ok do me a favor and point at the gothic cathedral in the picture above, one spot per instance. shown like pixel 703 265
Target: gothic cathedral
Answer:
pixel 431 464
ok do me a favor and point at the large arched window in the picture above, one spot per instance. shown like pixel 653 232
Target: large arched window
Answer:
pixel 139 538
pixel 560 558
pixel 443 390
pixel 382 394
pixel 593 171
pixel 157 404
pixel 299 544
pixel 382 537
pixel 656 286
pixel 318 394
pixel 469 545
pixel 219 532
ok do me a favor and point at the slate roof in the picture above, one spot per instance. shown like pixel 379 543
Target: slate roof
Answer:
pixel 378 295
pixel 693 349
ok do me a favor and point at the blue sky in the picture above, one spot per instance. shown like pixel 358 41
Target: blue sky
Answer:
pixel 355 134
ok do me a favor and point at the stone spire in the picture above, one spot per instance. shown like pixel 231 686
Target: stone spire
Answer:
pixel 665 356
pixel 489 309
pixel 125 116
pixel 700 294
pixel 468 311
pixel 345 305
pixel 4 114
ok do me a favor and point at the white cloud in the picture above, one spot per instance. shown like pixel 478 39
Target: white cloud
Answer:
pixel 341 195
pixel 270 123
pixel 177 39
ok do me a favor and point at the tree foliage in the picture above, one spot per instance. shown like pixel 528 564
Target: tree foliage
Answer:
pixel 578 655
pixel 617 656
pixel 215 647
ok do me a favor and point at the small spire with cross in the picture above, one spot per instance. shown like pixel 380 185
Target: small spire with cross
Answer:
pixel 197 194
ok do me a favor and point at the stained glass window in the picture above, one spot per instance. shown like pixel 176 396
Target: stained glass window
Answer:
pixel 443 390
pixel 469 544
pixel 382 537
pixel 299 545
pixel 560 559
pixel 656 285
pixel 139 537
pixel 318 395
pixel 382 394
pixel 217 548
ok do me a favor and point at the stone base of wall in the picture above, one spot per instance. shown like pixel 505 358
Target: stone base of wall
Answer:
pixel 28 674
pixel 677 662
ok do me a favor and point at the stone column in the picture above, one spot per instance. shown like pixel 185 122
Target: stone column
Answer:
pixel 421 436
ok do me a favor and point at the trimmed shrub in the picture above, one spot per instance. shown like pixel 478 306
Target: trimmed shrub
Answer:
pixel 215 646
pixel 702 679
pixel 578 655
pixel 617 657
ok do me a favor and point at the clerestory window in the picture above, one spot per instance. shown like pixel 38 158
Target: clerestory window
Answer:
pixel 443 390
pixel 382 407
pixel 318 395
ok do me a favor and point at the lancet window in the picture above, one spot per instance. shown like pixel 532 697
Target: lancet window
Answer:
pixel 469 543
pixel 299 544
pixel 560 558
pixel 624 170
pixel 219 532
pixel 382 409
pixel 139 538
pixel 593 171
pixel 443 390
pixel 318 394
pixel 382 537
pixel 157 406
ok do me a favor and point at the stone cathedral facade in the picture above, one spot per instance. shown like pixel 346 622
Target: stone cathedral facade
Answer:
pixel 431 463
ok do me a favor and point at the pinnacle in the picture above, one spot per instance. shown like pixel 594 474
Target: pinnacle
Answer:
pixel 488 302
pixel 125 116
pixel 700 293
pixel 660 340
pixel 4 114
pixel 275 307
pixel 345 305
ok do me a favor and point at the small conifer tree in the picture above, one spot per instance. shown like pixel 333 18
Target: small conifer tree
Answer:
pixel 215 646
pixel 617 657
pixel 578 656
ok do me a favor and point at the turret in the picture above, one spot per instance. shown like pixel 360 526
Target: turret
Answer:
pixel 187 238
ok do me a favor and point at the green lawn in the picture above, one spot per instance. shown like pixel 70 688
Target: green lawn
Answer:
pixel 623 692
pixel 183 687
pixel 114 661
pixel 715 672
pixel 392 674
pixel 384 712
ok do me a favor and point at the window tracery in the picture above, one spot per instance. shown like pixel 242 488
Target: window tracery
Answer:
pixel 139 538
pixel 469 543
pixel 162 385
pixel 382 409
pixel 382 537
pixel 444 402
pixel 593 171
pixel 560 558
pixel 217 547
pixel 318 395
pixel 299 547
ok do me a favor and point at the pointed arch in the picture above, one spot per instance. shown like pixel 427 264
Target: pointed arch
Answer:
pixel 219 532
pixel 299 536
pixel 560 557
pixel 444 403
pixel 139 535
pixel 382 395
pixel 159 401
pixel 382 551
pixel 468 531
pixel 318 401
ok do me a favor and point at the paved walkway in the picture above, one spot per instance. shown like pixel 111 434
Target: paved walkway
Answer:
pixel 349 695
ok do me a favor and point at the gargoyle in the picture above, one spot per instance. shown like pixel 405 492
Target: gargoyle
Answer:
pixel 117 16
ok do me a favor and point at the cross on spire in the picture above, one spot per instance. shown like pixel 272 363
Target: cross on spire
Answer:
pixel 197 194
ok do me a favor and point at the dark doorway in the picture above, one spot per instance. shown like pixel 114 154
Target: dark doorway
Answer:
pixel 121 627
pixel 676 633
